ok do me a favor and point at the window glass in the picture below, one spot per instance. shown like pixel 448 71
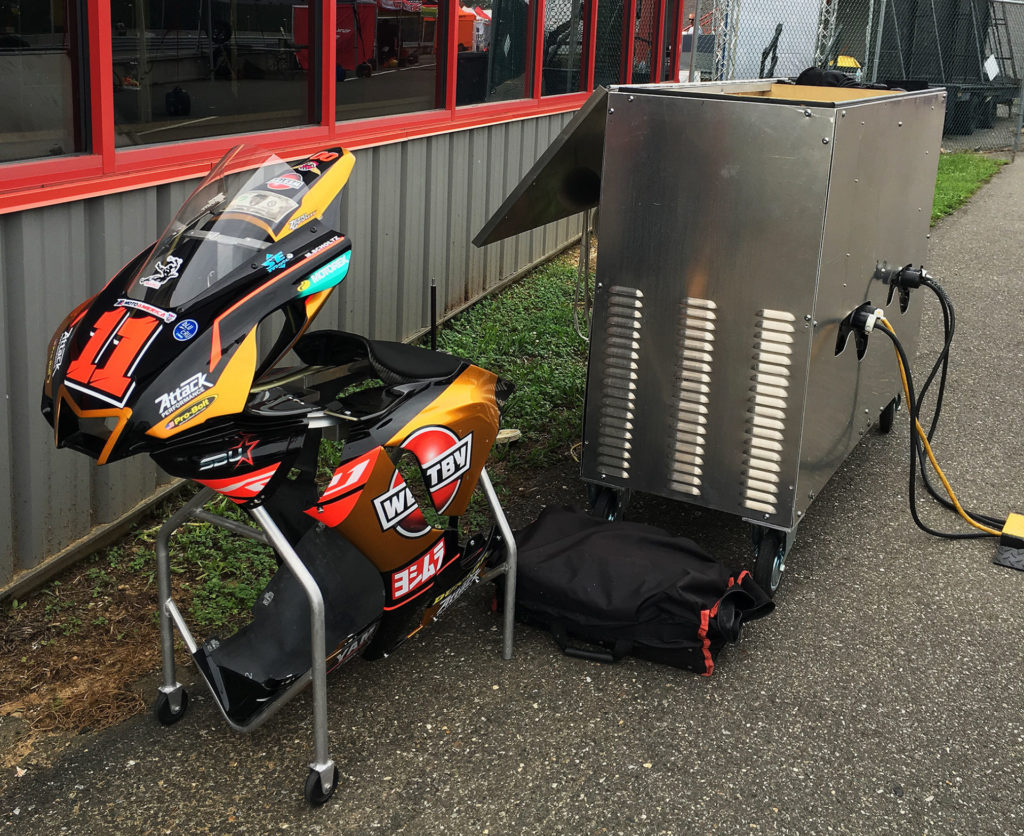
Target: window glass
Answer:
pixel 668 38
pixel 39 57
pixel 563 46
pixel 186 70
pixel 493 67
pixel 608 55
pixel 387 57
pixel 643 41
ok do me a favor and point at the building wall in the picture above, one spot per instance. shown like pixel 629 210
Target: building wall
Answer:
pixel 411 210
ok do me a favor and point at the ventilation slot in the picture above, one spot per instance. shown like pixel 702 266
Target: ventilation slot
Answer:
pixel 621 360
pixel 694 351
pixel 766 409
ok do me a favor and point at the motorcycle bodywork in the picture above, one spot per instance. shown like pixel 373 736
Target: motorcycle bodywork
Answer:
pixel 180 356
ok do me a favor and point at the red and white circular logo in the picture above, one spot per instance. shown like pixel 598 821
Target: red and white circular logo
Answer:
pixel 444 459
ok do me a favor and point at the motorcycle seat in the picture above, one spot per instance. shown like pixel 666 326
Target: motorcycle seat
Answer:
pixel 393 362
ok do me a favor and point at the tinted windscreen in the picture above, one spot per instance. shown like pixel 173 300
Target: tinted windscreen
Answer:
pixel 227 222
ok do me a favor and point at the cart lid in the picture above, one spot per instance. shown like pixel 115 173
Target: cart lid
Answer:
pixel 564 181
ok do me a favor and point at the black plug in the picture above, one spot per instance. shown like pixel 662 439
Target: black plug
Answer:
pixel 860 322
pixel 905 279
pixel 911 277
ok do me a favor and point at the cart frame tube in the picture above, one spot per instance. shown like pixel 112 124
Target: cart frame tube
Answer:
pixel 322 762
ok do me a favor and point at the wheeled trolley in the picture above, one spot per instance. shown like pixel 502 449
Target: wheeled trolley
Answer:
pixel 741 224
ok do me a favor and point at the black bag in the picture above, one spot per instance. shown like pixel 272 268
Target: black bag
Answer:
pixel 632 589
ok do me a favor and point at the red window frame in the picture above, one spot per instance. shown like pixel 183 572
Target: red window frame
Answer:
pixel 29 184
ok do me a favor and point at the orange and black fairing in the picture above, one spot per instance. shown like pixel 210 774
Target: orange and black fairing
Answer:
pixel 446 432
pixel 404 470
pixel 171 344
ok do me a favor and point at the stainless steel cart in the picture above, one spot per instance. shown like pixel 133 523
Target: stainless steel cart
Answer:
pixel 740 224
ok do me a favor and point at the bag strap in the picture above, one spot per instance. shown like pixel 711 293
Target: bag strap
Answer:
pixel 620 649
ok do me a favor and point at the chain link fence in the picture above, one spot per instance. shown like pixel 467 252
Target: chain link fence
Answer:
pixel 973 48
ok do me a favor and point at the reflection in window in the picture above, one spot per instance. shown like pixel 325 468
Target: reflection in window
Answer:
pixel 563 46
pixel 386 57
pixel 39 66
pixel 209 67
pixel 493 67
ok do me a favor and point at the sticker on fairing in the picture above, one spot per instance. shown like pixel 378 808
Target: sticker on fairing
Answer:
pixel 286 182
pixel 238 455
pixel 354 645
pixel 165 271
pixel 145 307
pixel 185 330
pixel 331 274
pixel 445 600
pixel 419 572
pixel 397 508
pixel 188 389
pixel 267 205
pixel 275 261
pixel 105 366
pixel 295 223
pixel 445 459
pixel 62 344
pixel 190 413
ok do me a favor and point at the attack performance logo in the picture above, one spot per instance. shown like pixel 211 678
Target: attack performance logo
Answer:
pixel 186 391
pixel 446 459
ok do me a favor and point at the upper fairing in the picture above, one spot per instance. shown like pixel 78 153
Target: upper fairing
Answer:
pixel 171 342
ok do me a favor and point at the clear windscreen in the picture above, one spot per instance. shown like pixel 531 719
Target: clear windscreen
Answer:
pixel 226 224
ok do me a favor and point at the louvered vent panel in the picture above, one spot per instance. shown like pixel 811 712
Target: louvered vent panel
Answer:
pixel 767 403
pixel 694 351
pixel 616 425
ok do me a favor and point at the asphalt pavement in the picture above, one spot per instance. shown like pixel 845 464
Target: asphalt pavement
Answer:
pixel 884 695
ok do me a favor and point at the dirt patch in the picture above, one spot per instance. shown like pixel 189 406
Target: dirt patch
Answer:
pixel 71 653
pixel 74 649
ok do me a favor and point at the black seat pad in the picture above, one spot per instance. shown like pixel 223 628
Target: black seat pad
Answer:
pixel 393 362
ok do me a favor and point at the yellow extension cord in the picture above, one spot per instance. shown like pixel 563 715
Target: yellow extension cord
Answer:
pixel 931 456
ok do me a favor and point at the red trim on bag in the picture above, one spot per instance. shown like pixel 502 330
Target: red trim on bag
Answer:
pixel 702 634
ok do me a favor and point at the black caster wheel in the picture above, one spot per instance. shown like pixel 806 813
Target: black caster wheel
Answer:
pixel 605 503
pixel 314 792
pixel 165 715
pixel 771 561
pixel 888 415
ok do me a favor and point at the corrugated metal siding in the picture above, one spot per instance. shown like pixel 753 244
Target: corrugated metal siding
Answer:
pixel 411 210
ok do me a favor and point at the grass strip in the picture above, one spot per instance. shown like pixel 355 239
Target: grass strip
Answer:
pixel 526 335
pixel 960 176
